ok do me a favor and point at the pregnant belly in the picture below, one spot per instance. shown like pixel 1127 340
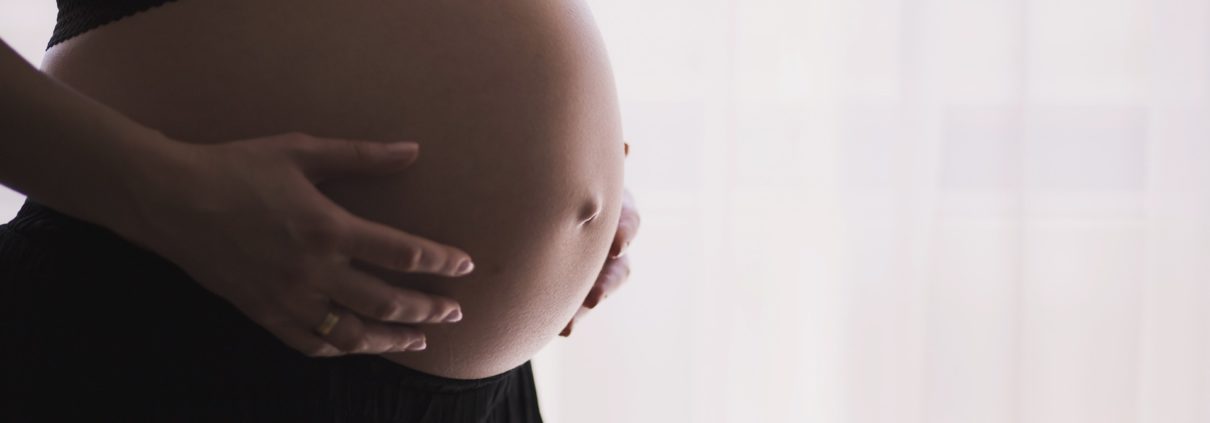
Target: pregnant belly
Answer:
pixel 512 103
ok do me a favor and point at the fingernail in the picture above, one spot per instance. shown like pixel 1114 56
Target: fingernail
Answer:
pixel 566 332
pixel 402 147
pixel 466 266
pixel 418 346
pixel 454 316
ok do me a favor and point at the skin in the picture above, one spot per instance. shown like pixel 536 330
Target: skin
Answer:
pixel 617 268
pixel 309 245
pixel 89 161
pixel 512 103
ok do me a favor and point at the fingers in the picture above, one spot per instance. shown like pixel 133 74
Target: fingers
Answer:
pixel 288 320
pixel 628 226
pixel 351 334
pixel 617 267
pixel 326 158
pixel 382 245
pixel 570 325
pixel 615 273
pixel 393 249
pixel 567 329
pixel 374 299
pixel 307 342
pixel 354 335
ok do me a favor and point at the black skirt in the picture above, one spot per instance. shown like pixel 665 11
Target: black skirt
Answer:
pixel 94 328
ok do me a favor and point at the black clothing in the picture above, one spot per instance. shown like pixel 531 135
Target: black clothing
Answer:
pixel 89 318
pixel 79 16
pixel 86 317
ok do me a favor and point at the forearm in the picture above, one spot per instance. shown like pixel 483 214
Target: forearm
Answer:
pixel 67 150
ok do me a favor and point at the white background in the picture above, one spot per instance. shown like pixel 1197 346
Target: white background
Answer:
pixel 896 211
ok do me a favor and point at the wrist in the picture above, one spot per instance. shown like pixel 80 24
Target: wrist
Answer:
pixel 149 175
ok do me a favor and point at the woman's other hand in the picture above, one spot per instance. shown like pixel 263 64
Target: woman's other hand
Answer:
pixel 246 221
pixel 617 266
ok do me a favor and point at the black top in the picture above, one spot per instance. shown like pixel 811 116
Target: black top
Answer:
pixel 78 16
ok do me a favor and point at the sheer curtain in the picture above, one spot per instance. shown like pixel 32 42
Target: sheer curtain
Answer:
pixel 900 211
pixel 25 25
pixel 906 211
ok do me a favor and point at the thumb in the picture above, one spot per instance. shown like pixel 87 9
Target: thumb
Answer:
pixel 326 158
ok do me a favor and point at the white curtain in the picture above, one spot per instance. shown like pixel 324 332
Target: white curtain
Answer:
pixel 25 25
pixel 904 211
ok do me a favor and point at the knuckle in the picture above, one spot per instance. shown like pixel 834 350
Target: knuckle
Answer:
pixel 293 141
pixel 388 310
pixel 408 337
pixel 357 151
pixel 629 225
pixel 448 259
pixel 415 314
pixel 303 144
pixel 344 345
pixel 620 269
pixel 358 345
pixel 441 306
pixel 623 261
pixel 448 305
pixel 294 273
pixel 410 259
pixel 298 282
pixel 322 231
pixel 362 344
pixel 349 343
pixel 405 335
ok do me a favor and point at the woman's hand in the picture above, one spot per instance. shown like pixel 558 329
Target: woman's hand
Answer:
pixel 246 220
pixel 617 265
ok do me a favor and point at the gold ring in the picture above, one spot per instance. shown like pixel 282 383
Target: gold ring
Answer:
pixel 329 322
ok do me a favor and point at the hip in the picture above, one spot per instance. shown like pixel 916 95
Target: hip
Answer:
pixel 90 316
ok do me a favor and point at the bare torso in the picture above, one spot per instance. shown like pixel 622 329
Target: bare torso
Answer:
pixel 512 103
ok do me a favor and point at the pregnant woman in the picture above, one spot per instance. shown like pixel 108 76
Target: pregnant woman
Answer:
pixel 223 224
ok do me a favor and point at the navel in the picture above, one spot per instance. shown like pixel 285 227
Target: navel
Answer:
pixel 589 211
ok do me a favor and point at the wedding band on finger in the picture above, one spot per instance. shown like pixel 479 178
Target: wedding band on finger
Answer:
pixel 330 321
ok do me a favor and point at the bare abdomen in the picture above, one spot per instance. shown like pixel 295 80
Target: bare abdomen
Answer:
pixel 512 103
